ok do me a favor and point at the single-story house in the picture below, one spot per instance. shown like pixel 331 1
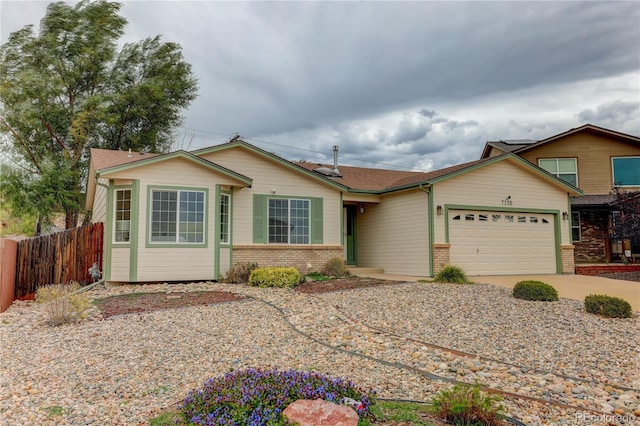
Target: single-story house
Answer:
pixel 192 215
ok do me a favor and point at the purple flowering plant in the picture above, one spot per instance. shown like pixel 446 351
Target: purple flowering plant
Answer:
pixel 258 397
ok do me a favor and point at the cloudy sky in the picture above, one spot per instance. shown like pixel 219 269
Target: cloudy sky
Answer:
pixel 409 85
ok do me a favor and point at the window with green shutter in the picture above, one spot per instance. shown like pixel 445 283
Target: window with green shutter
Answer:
pixel 283 220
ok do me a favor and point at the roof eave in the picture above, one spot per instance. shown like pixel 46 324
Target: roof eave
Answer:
pixel 177 154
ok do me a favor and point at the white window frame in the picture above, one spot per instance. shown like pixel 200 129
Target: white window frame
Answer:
pixel 178 222
pixel 306 237
pixel 613 171
pixel 577 226
pixel 557 173
pixel 225 219
pixel 118 230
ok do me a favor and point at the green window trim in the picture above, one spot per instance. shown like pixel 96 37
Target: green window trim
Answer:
pixel 225 218
pixel 261 218
pixel 177 244
pixel 122 215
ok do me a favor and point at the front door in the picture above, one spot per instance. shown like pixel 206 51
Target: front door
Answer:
pixel 349 228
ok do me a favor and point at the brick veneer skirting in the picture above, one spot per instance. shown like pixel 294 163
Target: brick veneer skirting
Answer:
pixel 306 258
pixel 611 268
pixel 441 256
pixel 568 259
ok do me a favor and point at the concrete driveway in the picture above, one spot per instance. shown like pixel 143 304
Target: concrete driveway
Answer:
pixel 575 286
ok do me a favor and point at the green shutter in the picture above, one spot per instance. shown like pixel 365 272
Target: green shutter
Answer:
pixel 316 221
pixel 259 218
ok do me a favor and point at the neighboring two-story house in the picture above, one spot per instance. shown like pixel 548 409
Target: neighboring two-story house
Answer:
pixel 596 160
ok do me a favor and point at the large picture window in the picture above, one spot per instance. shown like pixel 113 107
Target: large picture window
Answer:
pixel 177 216
pixel 564 168
pixel 289 221
pixel 626 171
pixel 122 228
pixel 224 218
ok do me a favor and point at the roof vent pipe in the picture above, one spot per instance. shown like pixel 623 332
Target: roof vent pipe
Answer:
pixel 335 159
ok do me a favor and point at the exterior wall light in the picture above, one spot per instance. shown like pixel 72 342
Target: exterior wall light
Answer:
pixel 439 210
pixel 565 216
pixel 361 208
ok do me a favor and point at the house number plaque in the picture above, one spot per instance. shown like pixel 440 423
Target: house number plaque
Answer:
pixel 507 201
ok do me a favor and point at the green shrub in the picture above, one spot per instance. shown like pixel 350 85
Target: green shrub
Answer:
pixel 607 306
pixel 335 267
pixel 240 273
pixel 451 274
pixel 275 277
pixel 465 405
pixel 62 303
pixel 535 290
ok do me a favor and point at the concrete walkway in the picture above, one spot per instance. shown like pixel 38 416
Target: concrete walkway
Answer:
pixel 575 287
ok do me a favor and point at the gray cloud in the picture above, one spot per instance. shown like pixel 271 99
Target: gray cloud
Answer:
pixel 618 115
pixel 413 84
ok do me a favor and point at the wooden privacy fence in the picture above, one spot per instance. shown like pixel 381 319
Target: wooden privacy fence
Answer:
pixel 58 258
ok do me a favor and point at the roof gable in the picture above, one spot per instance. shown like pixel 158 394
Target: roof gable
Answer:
pixel 454 171
pixel 108 163
pixel 238 143
pixel 586 128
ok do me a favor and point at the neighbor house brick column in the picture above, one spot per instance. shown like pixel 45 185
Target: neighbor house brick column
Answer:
pixel 568 260
pixel 441 257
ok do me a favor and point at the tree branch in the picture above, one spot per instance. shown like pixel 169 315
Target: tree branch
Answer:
pixel 52 134
pixel 20 140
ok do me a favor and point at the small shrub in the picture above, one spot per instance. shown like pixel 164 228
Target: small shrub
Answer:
pixel 451 274
pixel 275 277
pixel 335 267
pixel 240 273
pixel 607 306
pixel 535 290
pixel 252 397
pixel 61 302
pixel 465 405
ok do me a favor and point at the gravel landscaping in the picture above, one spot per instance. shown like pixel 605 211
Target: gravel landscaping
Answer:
pixel 127 368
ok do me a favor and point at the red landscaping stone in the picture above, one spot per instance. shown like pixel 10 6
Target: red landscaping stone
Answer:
pixel 320 413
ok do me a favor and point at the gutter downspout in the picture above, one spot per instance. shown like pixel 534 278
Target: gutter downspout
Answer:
pixel 430 224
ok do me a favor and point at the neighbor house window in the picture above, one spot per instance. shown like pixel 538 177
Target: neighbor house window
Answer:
pixel 122 226
pixel 564 168
pixel 289 221
pixel 177 216
pixel 224 218
pixel 626 171
pixel 575 227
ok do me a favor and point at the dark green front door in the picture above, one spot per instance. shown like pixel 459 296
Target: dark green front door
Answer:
pixel 350 234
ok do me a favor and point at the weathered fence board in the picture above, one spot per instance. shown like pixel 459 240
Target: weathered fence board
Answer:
pixel 58 258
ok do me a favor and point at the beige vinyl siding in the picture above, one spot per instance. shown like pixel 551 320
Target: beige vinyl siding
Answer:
pixel 120 263
pixel 487 186
pixel 170 263
pixel 225 261
pixel 594 153
pixel 99 213
pixel 394 235
pixel 268 176
pixel 174 263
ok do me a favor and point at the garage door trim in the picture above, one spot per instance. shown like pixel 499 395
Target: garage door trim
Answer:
pixel 555 213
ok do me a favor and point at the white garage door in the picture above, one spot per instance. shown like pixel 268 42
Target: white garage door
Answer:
pixel 498 243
